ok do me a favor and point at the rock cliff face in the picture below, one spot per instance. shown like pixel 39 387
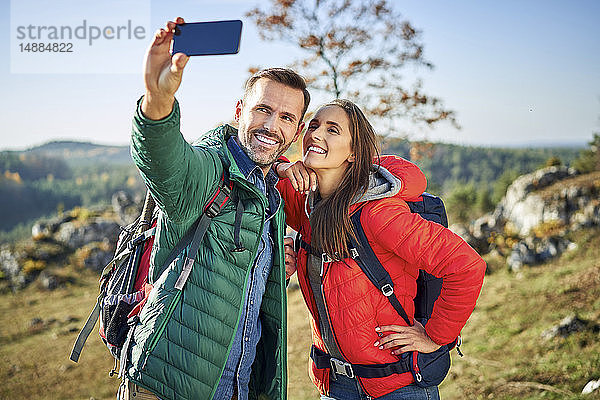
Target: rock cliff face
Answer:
pixel 553 194
pixel 537 211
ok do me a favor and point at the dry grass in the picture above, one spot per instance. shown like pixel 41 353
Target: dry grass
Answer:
pixel 590 181
pixel 35 357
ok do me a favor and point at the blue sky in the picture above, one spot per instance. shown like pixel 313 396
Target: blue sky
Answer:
pixel 516 72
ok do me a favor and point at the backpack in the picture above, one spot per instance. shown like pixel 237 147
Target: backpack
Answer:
pixel 429 207
pixel 124 283
pixel 428 369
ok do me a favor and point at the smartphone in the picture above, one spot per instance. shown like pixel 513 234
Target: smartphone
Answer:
pixel 207 38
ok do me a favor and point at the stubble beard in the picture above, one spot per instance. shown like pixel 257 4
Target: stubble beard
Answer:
pixel 256 152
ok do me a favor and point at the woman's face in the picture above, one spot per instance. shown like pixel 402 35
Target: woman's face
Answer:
pixel 327 141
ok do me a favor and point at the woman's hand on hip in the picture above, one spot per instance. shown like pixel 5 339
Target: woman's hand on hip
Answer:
pixel 402 339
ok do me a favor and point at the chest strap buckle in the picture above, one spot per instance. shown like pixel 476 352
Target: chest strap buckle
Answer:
pixel 341 368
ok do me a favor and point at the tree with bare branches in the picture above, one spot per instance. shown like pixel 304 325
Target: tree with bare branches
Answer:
pixel 356 49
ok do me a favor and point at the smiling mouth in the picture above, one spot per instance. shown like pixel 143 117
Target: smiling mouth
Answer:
pixel 265 140
pixel 316 149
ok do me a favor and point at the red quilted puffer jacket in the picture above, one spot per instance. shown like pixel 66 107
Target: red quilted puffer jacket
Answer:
pixel 404 243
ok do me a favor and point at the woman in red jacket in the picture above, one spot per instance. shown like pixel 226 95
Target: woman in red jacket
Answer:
pixel 352 321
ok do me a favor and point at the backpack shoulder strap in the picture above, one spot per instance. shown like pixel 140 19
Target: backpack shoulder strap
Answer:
pixel 370 265
pixel 211 210
pixel 431 208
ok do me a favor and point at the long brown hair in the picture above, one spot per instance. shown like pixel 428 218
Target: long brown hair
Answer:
pixel 330 220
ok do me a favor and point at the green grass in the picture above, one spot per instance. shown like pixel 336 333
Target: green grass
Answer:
pixel 505 357
pixel 35 359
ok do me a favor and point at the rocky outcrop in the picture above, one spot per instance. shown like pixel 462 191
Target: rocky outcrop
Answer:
pixel 126 206
pixel 10 265
pixel 525 205
pixel 76 235
pixel 537 211
pixel 566 327
pixel 82 237
pixel 533 251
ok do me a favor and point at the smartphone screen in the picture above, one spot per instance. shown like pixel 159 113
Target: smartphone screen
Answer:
pixel 207 38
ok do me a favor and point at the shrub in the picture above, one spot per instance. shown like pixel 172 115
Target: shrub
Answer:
pixel 31 266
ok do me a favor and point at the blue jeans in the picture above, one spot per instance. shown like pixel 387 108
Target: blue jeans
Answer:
pixel 344 388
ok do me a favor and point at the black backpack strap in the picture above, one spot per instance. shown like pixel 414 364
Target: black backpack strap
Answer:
pixel 323 360
pixel 370 265
pixel 86 330
pixel 431 208
pixel 301 244
pixel 211 210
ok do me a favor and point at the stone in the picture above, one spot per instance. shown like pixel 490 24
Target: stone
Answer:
pixel 96 255
pixel 590 387
pixel 35 322
pixel 551 247
pixel 127 207
pixel 48 280
pixel 526 209
pixel 75 235
pixel 520 255
pixel 565 328
pixel 481 245
pixel 483 228
pixel 46 228
pixel 9 262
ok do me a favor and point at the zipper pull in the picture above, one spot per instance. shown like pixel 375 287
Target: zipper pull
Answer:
pixel 418 376
pixel 458 344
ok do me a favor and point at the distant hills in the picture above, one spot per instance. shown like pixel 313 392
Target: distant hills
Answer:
pixel 83 153
pixel 448 165
pixel 62 174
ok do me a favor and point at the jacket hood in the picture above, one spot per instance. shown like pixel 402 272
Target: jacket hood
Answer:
pixel 382 184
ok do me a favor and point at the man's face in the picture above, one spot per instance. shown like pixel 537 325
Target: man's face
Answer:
pixel 269 120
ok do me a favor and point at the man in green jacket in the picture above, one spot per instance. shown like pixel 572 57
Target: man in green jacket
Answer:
pixel 222 336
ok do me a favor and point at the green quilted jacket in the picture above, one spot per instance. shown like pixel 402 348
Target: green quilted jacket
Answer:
pixel 179 347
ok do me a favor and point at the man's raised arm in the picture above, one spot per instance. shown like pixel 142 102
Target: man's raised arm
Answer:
pixel 179 176
pixel 162 73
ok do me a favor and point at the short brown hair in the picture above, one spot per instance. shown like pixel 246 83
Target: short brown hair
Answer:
pixel 282 75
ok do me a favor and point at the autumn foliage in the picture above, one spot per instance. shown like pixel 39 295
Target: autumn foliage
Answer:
pixel 358 50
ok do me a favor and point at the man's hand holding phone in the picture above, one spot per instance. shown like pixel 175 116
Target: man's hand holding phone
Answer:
pixel 162 73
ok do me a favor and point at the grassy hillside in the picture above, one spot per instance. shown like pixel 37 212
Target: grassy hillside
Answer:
pixel 505 357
